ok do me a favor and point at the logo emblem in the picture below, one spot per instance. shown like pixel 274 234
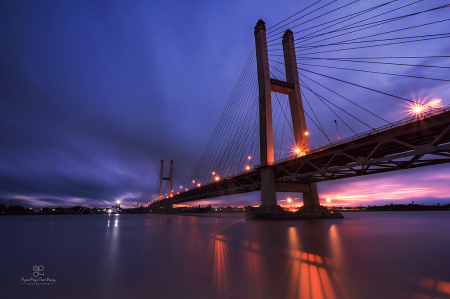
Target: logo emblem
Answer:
pixel 37 270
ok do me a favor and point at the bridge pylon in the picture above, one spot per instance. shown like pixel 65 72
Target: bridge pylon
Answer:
pixel 291 88
pixel 162 178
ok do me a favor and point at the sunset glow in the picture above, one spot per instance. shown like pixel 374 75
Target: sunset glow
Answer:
pixel 431 189
pixel 386 190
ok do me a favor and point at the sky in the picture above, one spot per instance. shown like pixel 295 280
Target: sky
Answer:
pixel 93 94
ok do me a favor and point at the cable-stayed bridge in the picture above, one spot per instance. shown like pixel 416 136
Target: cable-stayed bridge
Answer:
pixel 262 142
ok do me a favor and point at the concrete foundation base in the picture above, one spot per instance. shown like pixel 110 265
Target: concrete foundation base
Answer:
pixel 278 213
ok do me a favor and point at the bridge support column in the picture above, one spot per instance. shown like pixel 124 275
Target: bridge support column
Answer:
pixel 161 180
pixel 268 193
pixel 171 177
pixel 301 135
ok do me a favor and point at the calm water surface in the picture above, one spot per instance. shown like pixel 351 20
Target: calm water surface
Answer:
pixel 365 255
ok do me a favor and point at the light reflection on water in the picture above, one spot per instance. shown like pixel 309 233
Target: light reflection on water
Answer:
pixel 221 264
pixel 366 255
pixel 309 276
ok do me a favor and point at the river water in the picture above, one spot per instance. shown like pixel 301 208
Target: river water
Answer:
pixel 365 255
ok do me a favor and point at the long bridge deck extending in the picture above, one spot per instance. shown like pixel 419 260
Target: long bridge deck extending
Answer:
pixel 400 145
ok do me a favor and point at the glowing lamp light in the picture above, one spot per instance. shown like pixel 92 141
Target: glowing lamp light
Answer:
pixel 417 109
pixel 198 185
pixel 434 102
pixel 247 167
pixel 187 189
pixel 249 157
pixel 217 178
pixel 306 133
pixel 299 152
pixel 193 181
pixel 213 173
pixel 181 187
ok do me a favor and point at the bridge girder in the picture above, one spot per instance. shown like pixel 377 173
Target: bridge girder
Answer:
pixel 398 148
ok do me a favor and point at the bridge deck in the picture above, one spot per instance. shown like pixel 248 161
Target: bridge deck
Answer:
pixel 401 145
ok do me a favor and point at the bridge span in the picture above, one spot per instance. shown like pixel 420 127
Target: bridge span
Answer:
pixel 402 145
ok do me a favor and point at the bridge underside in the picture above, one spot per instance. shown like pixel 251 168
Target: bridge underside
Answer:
pixel 421 143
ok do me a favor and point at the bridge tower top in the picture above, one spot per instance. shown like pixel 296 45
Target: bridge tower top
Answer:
pixel 265 102
pixel 295 97
pixel 162 178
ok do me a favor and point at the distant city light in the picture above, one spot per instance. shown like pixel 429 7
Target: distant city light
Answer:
pixel 198 185
pixel 193 181
pixel 247 167
pixel 217 178
pixel 181 187
pixel 213 173
pixel 187 189
pixel 249 157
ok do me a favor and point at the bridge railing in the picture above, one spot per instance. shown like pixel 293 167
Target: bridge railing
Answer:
pixel 434 111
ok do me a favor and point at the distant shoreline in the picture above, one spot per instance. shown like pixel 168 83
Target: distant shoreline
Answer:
pixel 203 214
